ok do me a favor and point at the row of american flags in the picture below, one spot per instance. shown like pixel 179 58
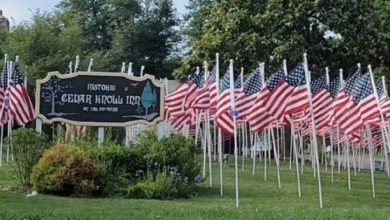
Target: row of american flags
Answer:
pixel 16 106
pixel 346 107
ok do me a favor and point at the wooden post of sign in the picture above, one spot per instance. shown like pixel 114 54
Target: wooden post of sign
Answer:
pixel 38 126
pixel 100 135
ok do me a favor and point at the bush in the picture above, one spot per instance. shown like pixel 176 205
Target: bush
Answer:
pixel 27 148
pixel 151 168
pixel 65 170
pixel 170 161
pixel 160 187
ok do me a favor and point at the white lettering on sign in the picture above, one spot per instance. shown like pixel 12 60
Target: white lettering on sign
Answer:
pixel 76 98
pixel 108 99
pixel 100 87
pixel 133 100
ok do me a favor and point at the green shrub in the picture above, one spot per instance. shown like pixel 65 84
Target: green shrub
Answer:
pixel 172 158
pixel 27 148
pixel 160 187
pixel 119 165
pixel 65 170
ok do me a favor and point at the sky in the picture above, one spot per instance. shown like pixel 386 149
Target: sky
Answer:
pixel 21 10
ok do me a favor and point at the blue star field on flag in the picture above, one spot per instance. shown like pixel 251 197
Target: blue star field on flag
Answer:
pixel 297 76
pixel 349 86
pixel 333 87
pixel 253 83
pixel 275 79
pixel 318 84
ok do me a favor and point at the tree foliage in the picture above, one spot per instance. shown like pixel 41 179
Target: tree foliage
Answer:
pixel 337 34
pixel 110 31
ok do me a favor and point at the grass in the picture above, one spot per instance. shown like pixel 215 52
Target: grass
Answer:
pixel 259 199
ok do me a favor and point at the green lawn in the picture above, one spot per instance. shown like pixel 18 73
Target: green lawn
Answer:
pixel 258 199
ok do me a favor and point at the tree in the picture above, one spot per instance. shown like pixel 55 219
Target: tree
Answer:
pixel 50 93
pixel 94 19
pixel 150 40
pixel 148 98
pixel 46 44
pixel 337 34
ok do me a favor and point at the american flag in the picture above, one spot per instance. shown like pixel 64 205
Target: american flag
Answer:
pixel 223 103
pixel 3 86
pixel 174 105
pixel 260 115
pixel 368 106
pixel 350 121
pixel 213 90
pixel 280 92
pixel 333 87
pixel 376 121
pixel 4 95
pixel 21 108
pixel 252 87
pixel 322 101
pixel 298 99
pixel 193 85
pixel 343 98
pixel 202 99
pixel 223 118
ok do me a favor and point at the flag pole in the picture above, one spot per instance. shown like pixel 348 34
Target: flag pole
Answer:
pixel 207 120
pixel 130 69
pixel 330 133
pixel 123 68
pixel 127 129
pixel 313 127
pixel 296 157
pixel 142 71
pixel 384 127
pixel 276 155
pixel 10 70
pixel 90 65
pixel 370 148
pixel 242 127
pixel 219 129
pixel 2 125
pixel 234 114
pixel 378 102
pixel 337 126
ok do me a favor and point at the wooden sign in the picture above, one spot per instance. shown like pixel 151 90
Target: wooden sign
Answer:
pixel 99 99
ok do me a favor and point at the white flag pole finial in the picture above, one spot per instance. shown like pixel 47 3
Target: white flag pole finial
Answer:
pixel 5 59
pixel 123 69
pixel 17 59
pixel 70 67
pixel 384 85
pixel 327 75
pixel 285 67
pixel 262 72
pixel 130 70
pixel 206 71
pixel 142 71
pixel 197 70
pixel 359 65
pixel 76 63
pixel 90 65
pixel 242 77
pixel 341 78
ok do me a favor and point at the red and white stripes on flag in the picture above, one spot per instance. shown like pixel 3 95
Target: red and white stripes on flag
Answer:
pixel 21 108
